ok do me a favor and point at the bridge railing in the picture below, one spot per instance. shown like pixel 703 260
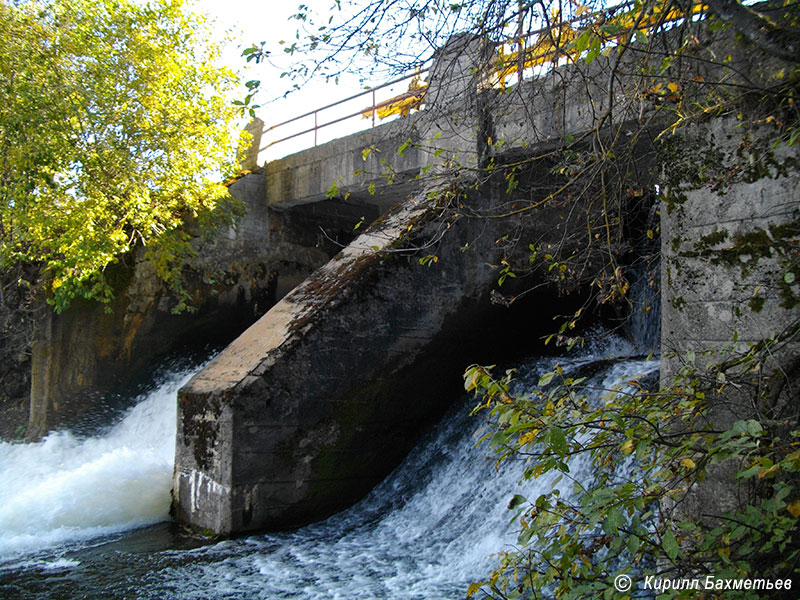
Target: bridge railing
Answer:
pixel 377 104
pixel 570 38
pixel 528 55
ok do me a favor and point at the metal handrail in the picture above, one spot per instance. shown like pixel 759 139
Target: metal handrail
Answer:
pixel 511 40
pixel 524 55
pixel 317 126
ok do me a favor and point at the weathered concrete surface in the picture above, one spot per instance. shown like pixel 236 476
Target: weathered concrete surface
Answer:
pixel 255 130
pixel 18 313
pixel 316 402
pixel 381 166
pixel 352 163
pixel 723 286
pixel 277 431
pixel 613 91
pixel 322 396
pixel 462 111
pixel 719 247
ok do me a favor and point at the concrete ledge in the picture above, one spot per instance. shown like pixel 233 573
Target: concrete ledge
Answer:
pixel 306 177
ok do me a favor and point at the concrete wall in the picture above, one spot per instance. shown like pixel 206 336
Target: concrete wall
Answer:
pixel 725 234
pixel 369 168
pixel 307 176
pixel 720 243
pixel 88 351
pixel 322 396
pixel 315 403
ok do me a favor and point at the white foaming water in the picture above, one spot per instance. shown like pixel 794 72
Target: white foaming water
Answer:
pixel 66 489
pixel 424 533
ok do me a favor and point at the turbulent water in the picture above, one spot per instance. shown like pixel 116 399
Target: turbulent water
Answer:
pixel 77 515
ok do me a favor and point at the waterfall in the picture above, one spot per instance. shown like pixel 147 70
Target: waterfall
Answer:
pixel 645 294
pixel 67 488
pixel 425 532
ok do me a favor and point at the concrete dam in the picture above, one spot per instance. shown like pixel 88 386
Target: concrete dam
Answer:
pixel 323 395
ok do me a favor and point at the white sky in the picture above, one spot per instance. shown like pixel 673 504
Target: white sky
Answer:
pixel 253 21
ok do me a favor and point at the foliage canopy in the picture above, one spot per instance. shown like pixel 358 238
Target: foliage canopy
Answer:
pixel 650 449
pixel 114 130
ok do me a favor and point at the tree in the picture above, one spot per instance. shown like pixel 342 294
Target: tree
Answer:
pixel 115 130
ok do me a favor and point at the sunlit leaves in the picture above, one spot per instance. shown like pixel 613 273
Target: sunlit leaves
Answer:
pixel 114 130
pixel 670 441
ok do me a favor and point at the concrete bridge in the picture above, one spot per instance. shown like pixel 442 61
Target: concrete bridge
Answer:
pixel 316 402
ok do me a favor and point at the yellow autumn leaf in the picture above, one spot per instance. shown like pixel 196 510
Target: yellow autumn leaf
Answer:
pixel 688 463
pixel 794 508
pixel 627 447
pixel 673 87
pixel 473 589
pixel 764 472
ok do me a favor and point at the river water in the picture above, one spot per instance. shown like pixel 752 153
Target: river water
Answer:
pixel 87 516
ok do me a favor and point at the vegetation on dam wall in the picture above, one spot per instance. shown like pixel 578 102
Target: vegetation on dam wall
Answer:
pixel 696 476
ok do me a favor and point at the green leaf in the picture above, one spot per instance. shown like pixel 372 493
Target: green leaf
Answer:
pixel 754 428
pixel 546 378
pixel 333 191
pixel 404 146
pixel 516 501
pixel 670 545
pixel 558 441
pixel 583 41
pixel 613 521
pixel 595 47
